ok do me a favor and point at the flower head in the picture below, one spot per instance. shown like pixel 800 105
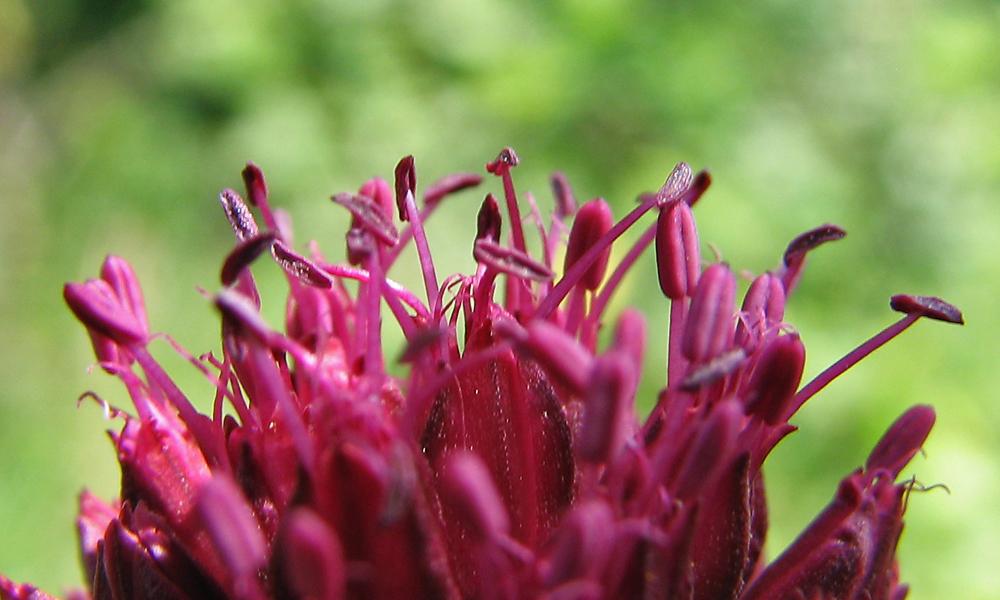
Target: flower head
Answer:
pixel 510 462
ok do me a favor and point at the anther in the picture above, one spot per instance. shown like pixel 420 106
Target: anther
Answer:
pixel 927 306
pixel 244 254
pixel 678 256
pixel 450 184
pixel 406 181
pixel 593 220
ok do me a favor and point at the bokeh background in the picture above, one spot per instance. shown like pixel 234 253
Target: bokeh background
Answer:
pixel 120 121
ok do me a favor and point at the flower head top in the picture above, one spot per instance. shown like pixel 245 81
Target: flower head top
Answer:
pixel 510 462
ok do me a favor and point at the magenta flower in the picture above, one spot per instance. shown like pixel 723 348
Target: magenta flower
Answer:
pixel 510 463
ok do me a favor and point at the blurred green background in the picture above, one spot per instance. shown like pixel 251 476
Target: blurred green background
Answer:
pixel 120 121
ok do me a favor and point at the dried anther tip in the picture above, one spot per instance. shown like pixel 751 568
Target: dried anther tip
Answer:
pixel 299 266
pixel 510 261
pixel 369 214
pixel 927 306
pixel 715 369
pixel 504 161
pixel 676 184
pixel 238 214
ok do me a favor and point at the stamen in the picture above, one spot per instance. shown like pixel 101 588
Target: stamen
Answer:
pixel 253 179
pixel 914 307
pixel 714 370
pixel 301 267
pixel 489 221
pixel 678 255
pixel 245 252
pixel 592 222
pixel 790 270
pixel 238 214
pixel 510 261
pixel 927 306
pixel 370 215
pixel 563 193
pixel 501 167
pixel 450 184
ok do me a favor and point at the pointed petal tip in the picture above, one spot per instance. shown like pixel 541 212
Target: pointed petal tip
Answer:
pixel 927 306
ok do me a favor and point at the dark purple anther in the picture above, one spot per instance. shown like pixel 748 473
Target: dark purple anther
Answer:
pixel 678 256
pixel 253 179
pixel 811 240
pixel 563 193
pixel 776 378
pixel 406 181
pixel 450 184
pixel 903 439
pixel 244 254
pixel 238 214
pixel 698 187
pixel 927 306
pixel 489 221
pixel 593 220
pixel 709 327
pixel 793 261
pixel 295 264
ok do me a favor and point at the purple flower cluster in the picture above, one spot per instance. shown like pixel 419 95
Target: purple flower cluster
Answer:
pixel 510 463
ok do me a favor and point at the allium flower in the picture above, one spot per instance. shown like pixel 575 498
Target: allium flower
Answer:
pixel 510 463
